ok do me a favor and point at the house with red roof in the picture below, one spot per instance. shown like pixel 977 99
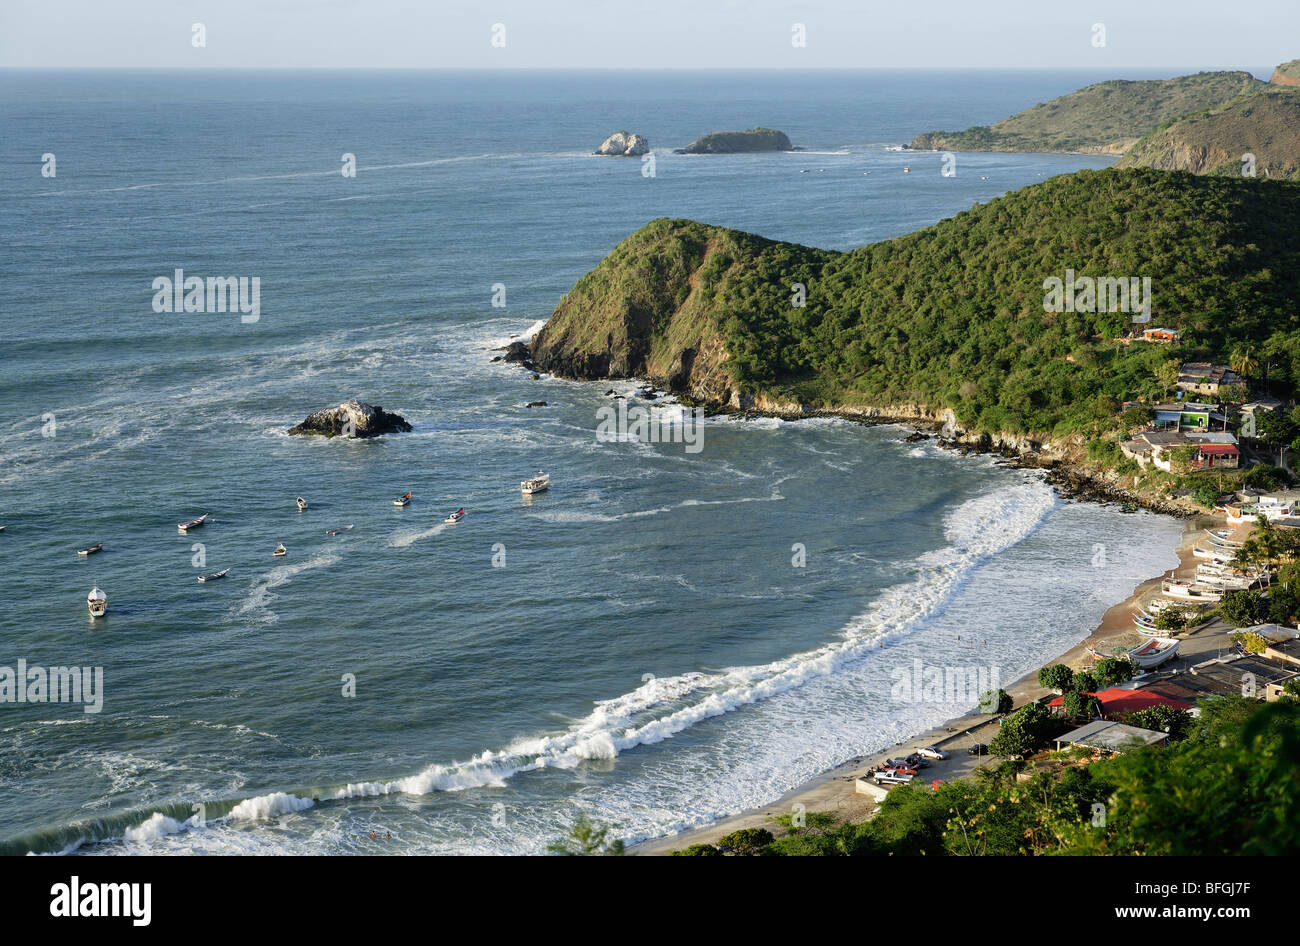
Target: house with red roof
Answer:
pixel 1117 702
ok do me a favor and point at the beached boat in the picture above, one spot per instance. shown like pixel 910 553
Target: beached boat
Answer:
pixel 538 484
pixel 91 550
pixel 1144 621
pixel 302 504
pixel 198 523
pixel 404 500
pixel 1214 553
pixel 456 516
pixel 1181 590
pixel 1153 652
pixel 337 531
pixel 215 575
pixel 280 550
pixel 97 602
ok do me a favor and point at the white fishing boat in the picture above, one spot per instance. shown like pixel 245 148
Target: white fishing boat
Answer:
pixel 280 550
pixel 198 523
pixel 1181 590
pixel 1214 553
pixel 456 516
pixel 337 531
pixel 302 504
pixel 1144 621
pixel 215 575
pixel 1153 652
pixel 907 169
pixel 91 550
pixel 538 484
pixel 97 601
pixel 402 500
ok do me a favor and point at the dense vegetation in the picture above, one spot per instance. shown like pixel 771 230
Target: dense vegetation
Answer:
pixel 952 316
pixel 1108 116
pixel 735 142
pixel 1228 783
pixel 1263 123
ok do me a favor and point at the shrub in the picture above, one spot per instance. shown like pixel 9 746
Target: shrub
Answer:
pixel 746 841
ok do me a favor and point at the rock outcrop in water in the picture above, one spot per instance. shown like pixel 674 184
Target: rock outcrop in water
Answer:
pixel 624 144
pixel 739 142
pixel 352 419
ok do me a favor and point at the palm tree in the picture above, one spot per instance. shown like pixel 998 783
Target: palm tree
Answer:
pixel 1244 360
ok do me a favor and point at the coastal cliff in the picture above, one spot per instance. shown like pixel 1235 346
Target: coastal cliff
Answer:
pixel 1105 118
pixel 946 326
pixel 1264 124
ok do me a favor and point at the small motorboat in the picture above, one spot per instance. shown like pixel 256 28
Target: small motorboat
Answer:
pixel 215 575
pixel 456 516
pixel 2 528
pixel 907 169
pixel 1145 621
pixel 337 531
pixel 97 601
pixel 280 550
pixel 302 504
pixel 538 484
pixel 198 523
pixel 402 500
pixel 91 550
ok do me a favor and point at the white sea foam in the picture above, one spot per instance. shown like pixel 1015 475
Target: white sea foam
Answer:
pixel 268 806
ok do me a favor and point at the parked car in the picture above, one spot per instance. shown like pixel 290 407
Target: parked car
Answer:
pixel 930 752
pixel 891 777
pixel 978 749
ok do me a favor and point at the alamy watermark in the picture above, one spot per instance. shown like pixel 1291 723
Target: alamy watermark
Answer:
pixel 181 293
pixel 934 683
pixel 83 685
pixel 1099 294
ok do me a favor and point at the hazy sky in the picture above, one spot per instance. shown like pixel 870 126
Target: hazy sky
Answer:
pixel 621 34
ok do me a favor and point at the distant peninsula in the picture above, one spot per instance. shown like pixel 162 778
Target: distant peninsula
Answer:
pixel 739 142
pixel 1105 118
pixel 1252 135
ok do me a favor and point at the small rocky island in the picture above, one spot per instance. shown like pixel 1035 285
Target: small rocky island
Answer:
pixel 740 142
pixel 352 418
pixel 624 144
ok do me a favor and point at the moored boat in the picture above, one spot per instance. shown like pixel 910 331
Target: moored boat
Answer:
pixel 97 602
pixel 198 523
pixel 91 550
pixel 215 575
pixel 337 531
pixel 280 550
pixel 404 500
pixel 538 484
pixel 302 504
pixel 456 516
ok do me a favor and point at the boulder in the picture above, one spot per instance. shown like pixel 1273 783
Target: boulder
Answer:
pixel 624 144
pixel 517 353
pixel 352 418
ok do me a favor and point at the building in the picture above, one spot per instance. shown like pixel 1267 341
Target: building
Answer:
pixel 1111 738
pixel 1212 450
pixel 1117 701
pixel 1202 377
pixel 1188 415
pixel 1162 335
pixel 1249 413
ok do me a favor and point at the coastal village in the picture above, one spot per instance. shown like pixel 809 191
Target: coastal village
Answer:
pixel 1223 623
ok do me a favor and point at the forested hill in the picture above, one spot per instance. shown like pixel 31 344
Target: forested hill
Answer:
pixel 951 316
pixel 1106 118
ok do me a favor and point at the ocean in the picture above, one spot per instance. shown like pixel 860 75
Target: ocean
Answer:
pixel 663 638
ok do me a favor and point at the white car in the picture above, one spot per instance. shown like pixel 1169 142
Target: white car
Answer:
pixel 930 752
pixel 891 777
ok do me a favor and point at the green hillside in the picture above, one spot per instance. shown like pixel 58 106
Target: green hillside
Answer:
pixel 1264 123
pixel 951 316
pixel 737 142
pixel 1107 117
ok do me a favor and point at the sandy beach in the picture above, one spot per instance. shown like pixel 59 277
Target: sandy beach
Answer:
pixel 835 791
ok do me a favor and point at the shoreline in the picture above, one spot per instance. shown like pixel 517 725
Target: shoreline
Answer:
pixel 835 790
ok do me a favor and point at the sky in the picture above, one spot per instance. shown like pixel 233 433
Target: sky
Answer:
pixel 649 34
